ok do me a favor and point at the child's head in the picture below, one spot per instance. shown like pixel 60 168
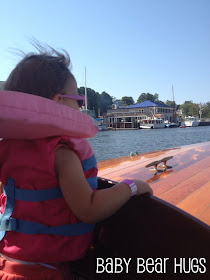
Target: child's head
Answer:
pixel 45 74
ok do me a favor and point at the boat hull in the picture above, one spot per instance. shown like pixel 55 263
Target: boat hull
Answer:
pixel 191 123
pixel 102 127
pixel 156 227
pixel 146 227
pixel 151 126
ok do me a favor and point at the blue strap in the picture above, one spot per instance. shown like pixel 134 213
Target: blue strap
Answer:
pixel 38 195
pixel 93 182
pixel 28 227
pixel 10 193
pixel 46 194
pixel 11 224
pixel 89 163
pixel 1 215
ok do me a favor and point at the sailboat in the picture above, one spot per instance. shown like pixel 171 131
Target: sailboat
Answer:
pixel 85 109
pixel 174 122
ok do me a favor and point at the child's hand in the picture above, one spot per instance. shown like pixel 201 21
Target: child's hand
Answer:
pixel 142 187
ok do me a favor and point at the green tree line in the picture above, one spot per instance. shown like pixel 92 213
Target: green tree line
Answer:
pixel 102 102
pixel 97 102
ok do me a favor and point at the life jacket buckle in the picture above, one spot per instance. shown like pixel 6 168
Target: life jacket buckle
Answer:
pixel 8 225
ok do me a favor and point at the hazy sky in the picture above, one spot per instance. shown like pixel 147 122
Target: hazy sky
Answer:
pixel 128 46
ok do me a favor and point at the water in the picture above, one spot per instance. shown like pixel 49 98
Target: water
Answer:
pixel 111 144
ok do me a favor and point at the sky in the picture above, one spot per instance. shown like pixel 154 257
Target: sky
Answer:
pixel 128 47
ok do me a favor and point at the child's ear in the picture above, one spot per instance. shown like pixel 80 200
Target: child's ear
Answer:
pixel 58 98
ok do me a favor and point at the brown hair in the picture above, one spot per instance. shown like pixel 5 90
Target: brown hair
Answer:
pixel 44 74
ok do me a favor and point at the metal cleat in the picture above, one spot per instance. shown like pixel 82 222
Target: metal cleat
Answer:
pixel 156 165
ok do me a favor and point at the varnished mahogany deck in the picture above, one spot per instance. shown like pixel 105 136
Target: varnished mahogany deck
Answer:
pixel 186 185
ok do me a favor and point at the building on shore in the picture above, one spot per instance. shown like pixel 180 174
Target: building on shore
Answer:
pixel 132 116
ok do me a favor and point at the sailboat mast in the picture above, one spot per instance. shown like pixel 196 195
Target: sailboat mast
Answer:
pixel 85 91
pixel 174 106
pixel 173 93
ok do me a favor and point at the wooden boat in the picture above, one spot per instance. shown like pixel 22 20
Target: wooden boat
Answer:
pixel 173 223
pixel 168 233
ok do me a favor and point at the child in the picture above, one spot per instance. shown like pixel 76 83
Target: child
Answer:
pixel 31 166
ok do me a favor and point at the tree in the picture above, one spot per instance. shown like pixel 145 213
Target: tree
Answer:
pixel 148 96
pixel 96 100
pixel 105 101
pixel 128 100
pixel 206 110
pixel 142 98
pixel 190 109
pixel 92 99
pixel 156 97
pixel 171 103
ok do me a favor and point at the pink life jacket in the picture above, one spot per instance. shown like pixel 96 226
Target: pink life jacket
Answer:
pixel 27 116
pixel 36 223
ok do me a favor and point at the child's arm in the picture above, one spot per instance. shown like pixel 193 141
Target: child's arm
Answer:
pixel 89 206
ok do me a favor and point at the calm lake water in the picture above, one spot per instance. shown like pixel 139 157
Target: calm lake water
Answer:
pixel 111 144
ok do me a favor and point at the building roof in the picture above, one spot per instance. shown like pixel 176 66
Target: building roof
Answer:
pixel 147 103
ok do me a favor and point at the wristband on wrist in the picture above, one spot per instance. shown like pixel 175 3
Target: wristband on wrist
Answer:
pixel 132 185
